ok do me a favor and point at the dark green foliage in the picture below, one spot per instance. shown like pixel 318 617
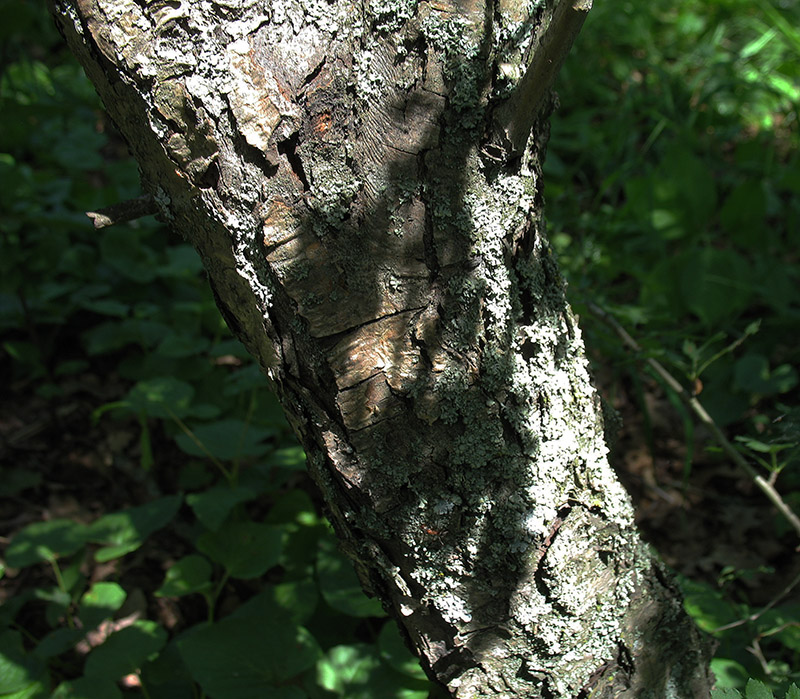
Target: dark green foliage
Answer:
pixel 672 187
pixel 672 183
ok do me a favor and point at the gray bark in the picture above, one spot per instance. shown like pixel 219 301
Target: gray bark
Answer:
pixel 359 181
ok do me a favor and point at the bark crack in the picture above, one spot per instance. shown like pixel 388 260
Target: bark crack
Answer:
pixel 288 149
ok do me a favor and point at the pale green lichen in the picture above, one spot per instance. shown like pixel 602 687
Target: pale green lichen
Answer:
pixel 389 16
pixel 458 41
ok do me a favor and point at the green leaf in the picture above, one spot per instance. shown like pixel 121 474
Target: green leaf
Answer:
pixel 213 506
pixel 18 670
pixel 244 657
pixel 793 692
pixel 758 690
pixel 14 480
pixel 293 458
pixel 58 642
pixel 346 665
pixel 183 345
pixel 167 677
pixel 728 673
pixel 708 607
pixel 101 602
pixel 227 439
pixel 395 652
pixel 126 650
pixel 37 690
pixel 122 248
pixel 743 213
pixel 339 583
pixel 125 531
pixel 44 541
pixel 298 599
pixel 245 549
pixel 190 574
pixel 715 284
pixel 87 688
pixel 294 506
pixel 752 374
pixel 727 693
pixel 164 397
pixel 356 672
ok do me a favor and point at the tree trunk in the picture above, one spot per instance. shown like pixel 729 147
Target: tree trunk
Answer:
pixel 359 180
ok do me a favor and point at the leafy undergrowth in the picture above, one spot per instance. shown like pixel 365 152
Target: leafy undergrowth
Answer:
pixel 672 184
pixel 161 536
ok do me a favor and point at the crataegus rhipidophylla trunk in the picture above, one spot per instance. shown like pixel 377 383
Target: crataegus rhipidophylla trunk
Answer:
pixel 363 185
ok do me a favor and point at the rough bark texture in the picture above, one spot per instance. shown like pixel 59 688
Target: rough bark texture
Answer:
pixel 373 232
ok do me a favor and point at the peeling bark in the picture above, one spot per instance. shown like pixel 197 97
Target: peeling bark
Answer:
pixel 354 179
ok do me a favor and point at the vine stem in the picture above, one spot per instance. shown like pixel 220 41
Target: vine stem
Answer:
pixel 697 408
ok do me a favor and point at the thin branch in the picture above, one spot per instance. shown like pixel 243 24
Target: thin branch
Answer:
pixel 518 114
pixel 756 615
pixel 123 211
pixel 698 409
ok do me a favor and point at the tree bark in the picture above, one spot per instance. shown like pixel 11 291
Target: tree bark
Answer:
pixel 360 182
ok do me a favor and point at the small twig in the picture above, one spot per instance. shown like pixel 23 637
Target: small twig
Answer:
pixel 698 409
pixel 755 649
pixel 123 211
pixel 756 615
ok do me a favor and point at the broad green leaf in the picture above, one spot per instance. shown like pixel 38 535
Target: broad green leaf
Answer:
pixel 182 345
pixel 163 397
pixel 227 439
pixel 14 480
pixel 715 284
pixel 43 541
pixel 726 693
pixel 125 531
pixel 37 690
pixel 126 650
pixel 295 601
pixel 395 652
pixel 707 606
pixel 87 688
pixel 293 458
pixel 294 506
pixel 122 248
pixel 18 670
pixel 339 583
pixel 245 549
pixel 58 642
pixel 245 657
pixel 793 692
pixel 346 665
pixel 743 213
pixel 758 690
pixel 728 673
pixel 356 672
pixel 752 374
pixel 213 506
pixel 167 677
pixel 190 574
pixel 101 602
pixel 299 599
